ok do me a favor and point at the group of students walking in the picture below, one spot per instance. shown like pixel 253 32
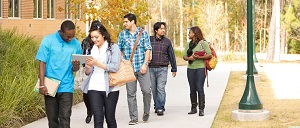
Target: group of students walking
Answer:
pixel 150 63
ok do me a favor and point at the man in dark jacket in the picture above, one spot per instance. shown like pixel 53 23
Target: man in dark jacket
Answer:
pixel 162 54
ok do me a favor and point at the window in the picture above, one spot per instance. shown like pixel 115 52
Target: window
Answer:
pixel 14 8
pixel 50 9
pixel 38 9
pixel 78 11
pixel 68 11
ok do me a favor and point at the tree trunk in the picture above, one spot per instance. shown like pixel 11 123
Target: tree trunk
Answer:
pixel 265 25
pixel 271 43
pixel 181 23
pixel 160 9
pixel 226 29
pixel 277 31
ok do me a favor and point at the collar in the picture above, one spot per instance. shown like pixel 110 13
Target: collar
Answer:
pixel 59 38
pixel 136 32
pixel 159 39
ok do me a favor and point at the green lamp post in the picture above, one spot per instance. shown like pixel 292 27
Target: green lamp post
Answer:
pixel 254 36
pixel 254 39
pixel 250 99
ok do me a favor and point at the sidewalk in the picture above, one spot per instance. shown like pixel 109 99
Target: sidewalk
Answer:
pixel 177 104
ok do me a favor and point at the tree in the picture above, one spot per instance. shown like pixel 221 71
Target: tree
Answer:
pixel 274 33
pixel 291 22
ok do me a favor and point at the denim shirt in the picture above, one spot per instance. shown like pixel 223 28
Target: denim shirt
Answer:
pixel 113 60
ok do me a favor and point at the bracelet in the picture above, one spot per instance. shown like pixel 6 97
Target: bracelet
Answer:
pixel 42 86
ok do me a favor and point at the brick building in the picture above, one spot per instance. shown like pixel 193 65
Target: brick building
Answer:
pixel 39 17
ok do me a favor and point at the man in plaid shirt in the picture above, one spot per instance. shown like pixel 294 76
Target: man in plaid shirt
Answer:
pixel 126 41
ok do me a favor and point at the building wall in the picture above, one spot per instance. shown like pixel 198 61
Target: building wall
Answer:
pixel 39 28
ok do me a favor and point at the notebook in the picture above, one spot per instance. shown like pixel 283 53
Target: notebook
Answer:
pixel 51 84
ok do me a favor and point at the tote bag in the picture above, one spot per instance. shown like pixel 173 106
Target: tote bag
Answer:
pixel 125 73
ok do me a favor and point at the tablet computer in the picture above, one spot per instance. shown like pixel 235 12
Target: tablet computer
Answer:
pixel 81 58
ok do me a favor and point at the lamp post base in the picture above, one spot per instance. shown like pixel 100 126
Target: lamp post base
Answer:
pixel 250 115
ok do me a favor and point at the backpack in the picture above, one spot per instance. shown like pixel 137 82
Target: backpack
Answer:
pixel 211 63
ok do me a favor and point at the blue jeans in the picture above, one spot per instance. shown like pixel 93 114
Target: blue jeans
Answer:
pixel 58 110
pixel 104 106
pixel 196 78
pixel 158 78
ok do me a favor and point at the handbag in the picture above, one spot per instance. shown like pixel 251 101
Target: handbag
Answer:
pixel 125 73
pixel 79 77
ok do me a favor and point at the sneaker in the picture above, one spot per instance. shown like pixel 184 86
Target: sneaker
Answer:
pixel 133 122
pixel 160 112
pixel 145 117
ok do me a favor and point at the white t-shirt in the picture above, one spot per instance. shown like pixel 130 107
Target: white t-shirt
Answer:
pixel 97 81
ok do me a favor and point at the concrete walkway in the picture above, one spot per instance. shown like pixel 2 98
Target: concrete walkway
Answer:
pixel 177 105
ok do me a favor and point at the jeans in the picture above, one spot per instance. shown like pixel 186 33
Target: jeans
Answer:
pixel 158 78
pixel 196 78
pixel 87 103
pixel 144 80
pixel 104 106
pixel 58 110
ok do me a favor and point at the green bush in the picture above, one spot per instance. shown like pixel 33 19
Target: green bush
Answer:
pixel 178 53
pixel 18 74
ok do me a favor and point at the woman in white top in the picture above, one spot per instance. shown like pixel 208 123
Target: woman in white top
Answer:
pixel 106 58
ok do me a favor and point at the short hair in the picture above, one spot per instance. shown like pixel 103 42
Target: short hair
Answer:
pixel 157 25
pixel 130 17
pixel 67 25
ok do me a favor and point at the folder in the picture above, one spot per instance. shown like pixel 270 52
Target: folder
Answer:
pixel 51 84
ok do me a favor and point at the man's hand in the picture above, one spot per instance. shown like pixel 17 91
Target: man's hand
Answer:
pixel 75 64
pixel 173 74
pixel 143 69
pixel 43 90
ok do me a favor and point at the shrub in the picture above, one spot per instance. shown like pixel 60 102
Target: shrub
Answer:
pixel 18 74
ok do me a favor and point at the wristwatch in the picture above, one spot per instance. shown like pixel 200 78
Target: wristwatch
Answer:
pixel 146 63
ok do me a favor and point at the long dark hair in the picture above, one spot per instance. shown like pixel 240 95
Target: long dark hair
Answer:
pixel 100 28
pixel 199 36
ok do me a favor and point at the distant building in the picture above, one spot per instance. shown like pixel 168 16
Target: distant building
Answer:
pixel 39 17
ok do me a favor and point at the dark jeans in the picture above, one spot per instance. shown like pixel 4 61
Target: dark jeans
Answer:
pixel 104 106
pixel 196 78
pixel 87 103
pixel 58 110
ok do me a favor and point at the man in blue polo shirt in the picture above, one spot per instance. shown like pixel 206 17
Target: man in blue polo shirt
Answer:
pixel 55 56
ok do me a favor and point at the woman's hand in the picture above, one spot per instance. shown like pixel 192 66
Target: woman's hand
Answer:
pixel 192 57
pixel 91 61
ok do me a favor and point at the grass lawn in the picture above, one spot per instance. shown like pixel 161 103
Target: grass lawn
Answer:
pixel 283 113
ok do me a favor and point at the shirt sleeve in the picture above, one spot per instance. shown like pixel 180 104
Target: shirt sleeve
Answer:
pixel 78 49
pixel 43 52
pixel 147 43
pixel 172 58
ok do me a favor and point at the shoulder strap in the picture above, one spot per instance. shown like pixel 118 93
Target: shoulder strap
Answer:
pixel 136 43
